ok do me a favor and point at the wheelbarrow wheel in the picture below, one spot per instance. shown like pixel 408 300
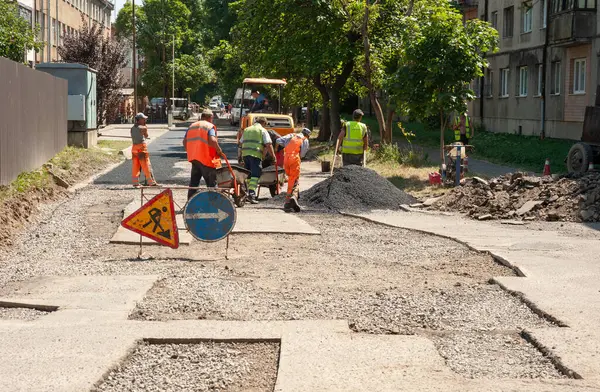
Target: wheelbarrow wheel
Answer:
pixel 240 198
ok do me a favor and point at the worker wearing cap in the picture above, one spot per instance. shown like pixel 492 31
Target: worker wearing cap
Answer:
pixel 139 152
pixel 295 148
pixel 354 140
pixel 255 142
pixel 203 151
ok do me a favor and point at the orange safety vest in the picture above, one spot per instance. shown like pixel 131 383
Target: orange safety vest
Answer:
pixel 197 144
pixel 292 150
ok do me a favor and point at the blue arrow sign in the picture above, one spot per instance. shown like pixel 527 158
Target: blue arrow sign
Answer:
pixel 209 216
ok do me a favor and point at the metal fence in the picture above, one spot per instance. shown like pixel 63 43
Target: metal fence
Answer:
pixel 33 118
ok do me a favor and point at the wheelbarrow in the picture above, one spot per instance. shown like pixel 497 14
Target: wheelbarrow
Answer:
pixel 272 177
pixel 234 177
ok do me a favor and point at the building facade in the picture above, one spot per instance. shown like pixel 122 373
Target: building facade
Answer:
pixel 546 70
pixel 57 18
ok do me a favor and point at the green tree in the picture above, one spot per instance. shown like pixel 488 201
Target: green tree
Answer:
pixel 16 36
pixel 312 40
pixel 439 61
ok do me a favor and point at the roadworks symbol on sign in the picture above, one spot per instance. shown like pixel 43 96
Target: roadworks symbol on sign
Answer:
pixel 156 220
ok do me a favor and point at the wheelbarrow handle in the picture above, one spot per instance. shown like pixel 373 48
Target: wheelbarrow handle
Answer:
pixel 235 187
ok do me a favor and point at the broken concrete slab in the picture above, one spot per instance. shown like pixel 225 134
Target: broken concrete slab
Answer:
pixel 528 206
pixel 485 217
pixel 431 201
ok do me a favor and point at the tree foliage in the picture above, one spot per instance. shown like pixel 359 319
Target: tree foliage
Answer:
pixel 92 48
pixel 160 24
pixel 16 35
pixel 437 63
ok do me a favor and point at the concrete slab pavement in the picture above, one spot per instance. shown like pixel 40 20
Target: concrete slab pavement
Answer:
pixel 561 275
pixel 74 347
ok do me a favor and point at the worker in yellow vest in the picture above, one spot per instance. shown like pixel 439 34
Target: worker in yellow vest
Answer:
pixel 354 140
pixel 256 142
pixel 462 128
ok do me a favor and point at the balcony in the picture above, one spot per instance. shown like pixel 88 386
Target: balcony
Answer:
pixel 572 26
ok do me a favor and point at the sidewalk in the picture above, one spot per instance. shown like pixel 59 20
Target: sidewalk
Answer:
pixel 560 277
pixel 122 132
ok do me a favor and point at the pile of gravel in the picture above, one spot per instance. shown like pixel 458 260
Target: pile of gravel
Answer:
pixel 356 188
pixel 205 366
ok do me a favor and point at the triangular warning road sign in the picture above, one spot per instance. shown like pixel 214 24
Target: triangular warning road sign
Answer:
pixel 156 220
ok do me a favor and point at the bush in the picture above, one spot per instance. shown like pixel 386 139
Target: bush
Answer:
pixel 409 156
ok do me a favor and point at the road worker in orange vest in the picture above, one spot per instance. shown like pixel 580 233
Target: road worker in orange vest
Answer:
pixel 139 152
pixel 203 151
pixel 295 148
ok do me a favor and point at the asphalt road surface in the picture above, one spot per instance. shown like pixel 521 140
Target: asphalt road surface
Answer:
pixel 169 159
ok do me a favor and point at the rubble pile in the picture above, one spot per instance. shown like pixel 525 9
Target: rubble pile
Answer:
pixel 518 196
pixel 355 188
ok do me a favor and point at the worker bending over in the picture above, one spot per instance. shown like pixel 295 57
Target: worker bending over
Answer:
pixel 295 148
pixel 354 140
pixel 203 151
pixel 255 142
pixel 139 152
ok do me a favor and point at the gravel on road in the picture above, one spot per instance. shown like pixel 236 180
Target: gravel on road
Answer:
pixel 381 279
pixel 205 366
pixel 500 355
pixel 24 314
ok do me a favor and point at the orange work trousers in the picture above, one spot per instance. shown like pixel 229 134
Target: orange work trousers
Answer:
pixel 291 166
pixel 140 159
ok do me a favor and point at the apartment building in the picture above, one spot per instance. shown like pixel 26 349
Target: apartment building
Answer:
pixel 57 18
pixel 546 70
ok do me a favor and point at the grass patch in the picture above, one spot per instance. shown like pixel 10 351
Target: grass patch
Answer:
pixel 523 152
pixel 116 145
pixel 72 163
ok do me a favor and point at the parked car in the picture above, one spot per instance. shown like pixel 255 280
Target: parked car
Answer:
pixel 214 106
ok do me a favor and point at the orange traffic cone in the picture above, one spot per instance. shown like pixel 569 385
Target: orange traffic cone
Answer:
pixel 591 166
pixel 547 167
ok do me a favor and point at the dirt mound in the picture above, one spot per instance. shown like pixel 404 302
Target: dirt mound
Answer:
pixel 355 188
pixel 518 196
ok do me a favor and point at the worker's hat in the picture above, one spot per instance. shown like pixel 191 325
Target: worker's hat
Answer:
pixel 207 113
pixel 140 115
pixel 306 131
pixel 357 113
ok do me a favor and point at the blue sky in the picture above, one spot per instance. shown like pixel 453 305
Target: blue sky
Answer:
pixel 118 6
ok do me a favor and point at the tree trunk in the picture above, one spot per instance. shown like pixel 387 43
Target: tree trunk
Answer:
pixel 324 129
pixel 334 114
pixel 309 116
pixel 442 129
pixel 389 121
pixel 383 133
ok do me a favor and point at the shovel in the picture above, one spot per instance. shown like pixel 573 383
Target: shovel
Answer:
pixel 337 144
pixel 365 158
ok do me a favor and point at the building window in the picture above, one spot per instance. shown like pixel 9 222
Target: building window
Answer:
pixel 476 87
pixel 489 86
pixel 507 28
pixel 555 75
pixel 544 13
pixel 540 74
pixel 527 16
pixel 579 76
pixel 586 4
pixel 494 20
pixel 523 79
pixel 504 74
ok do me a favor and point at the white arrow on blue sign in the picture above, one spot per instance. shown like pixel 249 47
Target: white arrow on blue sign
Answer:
pixel 209 216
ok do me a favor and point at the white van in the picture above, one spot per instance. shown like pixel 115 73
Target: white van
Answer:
pixel 234 119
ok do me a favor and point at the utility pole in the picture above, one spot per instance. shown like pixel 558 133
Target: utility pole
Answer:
pixel 135 101
pixel 173 90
